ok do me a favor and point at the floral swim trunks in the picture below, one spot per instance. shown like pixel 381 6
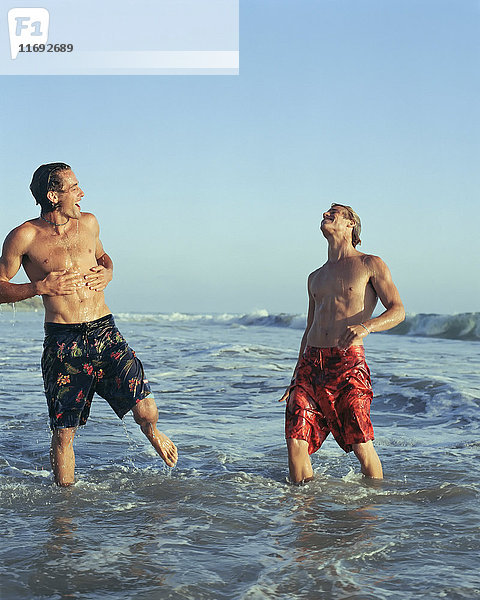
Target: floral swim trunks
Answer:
pixel 80 359
pixel 331 393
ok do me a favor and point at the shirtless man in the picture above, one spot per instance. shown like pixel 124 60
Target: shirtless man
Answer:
pixel 331 391
pixel 84 352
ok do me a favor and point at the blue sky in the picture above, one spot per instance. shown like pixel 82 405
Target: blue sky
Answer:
pixel 209 189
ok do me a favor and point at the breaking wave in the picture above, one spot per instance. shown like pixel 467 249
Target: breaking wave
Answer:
pixel 463 326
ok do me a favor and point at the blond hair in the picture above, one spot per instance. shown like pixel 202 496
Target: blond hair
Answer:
pixel 352 215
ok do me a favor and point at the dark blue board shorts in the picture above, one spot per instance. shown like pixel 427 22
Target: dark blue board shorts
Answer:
pixel 80 359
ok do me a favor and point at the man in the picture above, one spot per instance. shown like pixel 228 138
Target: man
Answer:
pixel 331 390
pixel 84 352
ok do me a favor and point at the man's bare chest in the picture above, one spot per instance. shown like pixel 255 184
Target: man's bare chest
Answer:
pixel 73 250
pixel 340 281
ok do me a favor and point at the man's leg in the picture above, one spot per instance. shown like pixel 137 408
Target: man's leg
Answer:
pixel 145 414
pixel 62 457
pixel 369 461
pixel 299 464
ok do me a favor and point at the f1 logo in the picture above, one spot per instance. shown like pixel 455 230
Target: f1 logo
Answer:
pixel 27 26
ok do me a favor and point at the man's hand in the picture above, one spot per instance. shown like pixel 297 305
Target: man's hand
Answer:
pixel 98 278
pixel 287 391
pixel 353 334
pixel 60 283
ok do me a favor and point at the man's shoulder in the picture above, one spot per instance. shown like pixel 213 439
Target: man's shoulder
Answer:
pixel 88 217
pixel 313 273
pixel 371 260
pixel 24 232
pixel 89 220
pixel 374 265
pixel 28 226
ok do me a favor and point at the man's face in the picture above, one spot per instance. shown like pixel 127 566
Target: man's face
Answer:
pixel 68 199
pixel 334 220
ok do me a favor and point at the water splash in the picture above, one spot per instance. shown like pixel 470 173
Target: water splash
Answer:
pixel 130 446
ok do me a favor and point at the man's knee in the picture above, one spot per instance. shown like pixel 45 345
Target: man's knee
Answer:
pixel 145 412
pixel 299 464
pixel 297 448
pixel 368 457
pixel 363 451
pixel 62 437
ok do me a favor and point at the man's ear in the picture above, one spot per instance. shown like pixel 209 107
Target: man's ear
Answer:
pixel 52 196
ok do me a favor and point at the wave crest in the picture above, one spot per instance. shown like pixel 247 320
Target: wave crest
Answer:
pixel 463 326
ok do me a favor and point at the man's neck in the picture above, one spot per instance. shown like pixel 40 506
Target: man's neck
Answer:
pixel 339 249
pixel 54 218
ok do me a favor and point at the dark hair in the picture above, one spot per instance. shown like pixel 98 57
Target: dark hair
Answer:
pixel 352 215
pixel 46 179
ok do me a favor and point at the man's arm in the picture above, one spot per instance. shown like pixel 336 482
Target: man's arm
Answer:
pixel 101 275
pixel 394 312
pixel 310 315
pixel 303 343
pixel 56 283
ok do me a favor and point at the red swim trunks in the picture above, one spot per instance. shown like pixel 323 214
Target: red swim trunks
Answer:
pixel 332 393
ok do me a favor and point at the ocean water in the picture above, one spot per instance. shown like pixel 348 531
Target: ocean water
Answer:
pixel 224 524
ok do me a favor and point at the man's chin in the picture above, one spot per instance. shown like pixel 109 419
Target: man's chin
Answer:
pixel 324 230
